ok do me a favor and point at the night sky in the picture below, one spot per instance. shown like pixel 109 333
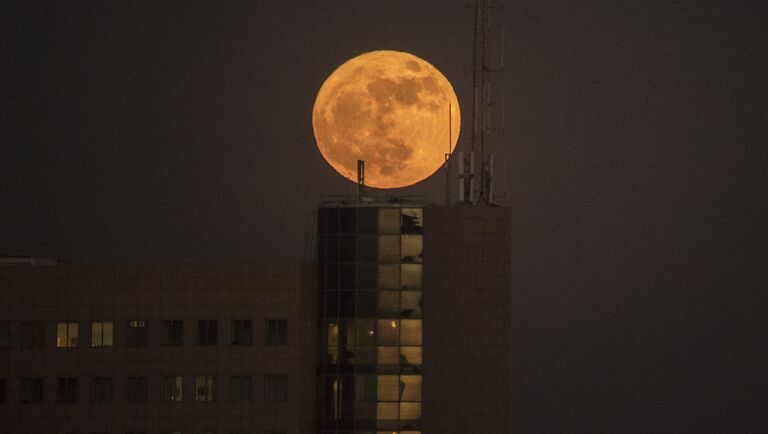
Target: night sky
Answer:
pixel 632 157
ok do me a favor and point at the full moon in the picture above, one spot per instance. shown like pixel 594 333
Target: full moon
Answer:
pixel 391 110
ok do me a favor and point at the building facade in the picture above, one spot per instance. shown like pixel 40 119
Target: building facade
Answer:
pixel 157 349
pixel 402 327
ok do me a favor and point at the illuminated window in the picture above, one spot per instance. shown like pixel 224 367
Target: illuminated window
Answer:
pixel 412 220
pixel 204 386
pixel 389 248
pixel 389 276
pixel 137 333
pixel 410 332
pixel 101 389
pixel 410 276
pixel 5 331
pixel 410 410
pixel 410 304
pixel 389 221
pixel 410 357
pixel 276 388
pixel 412 246
pixel 388 388
pixel 66 390
pixel 101 334
pixel 171 333
pixel 277 332
pixel 387 331
pixel 31 390
pixel 240 388
pixel 388 356
pixel 410 388
pixel 66 334
pixel 207 331
pixel 32 335
pixel 136 389
pixel 389 303
pixel 170 388
pixel 241 332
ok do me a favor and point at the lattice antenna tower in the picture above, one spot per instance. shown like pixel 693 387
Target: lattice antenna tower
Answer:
pixel 476 183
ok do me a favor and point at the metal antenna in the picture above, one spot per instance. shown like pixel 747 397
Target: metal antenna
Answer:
pixel 448 159
pixel 360 179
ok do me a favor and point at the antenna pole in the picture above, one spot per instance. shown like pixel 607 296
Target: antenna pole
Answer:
pixel 360 179
pixel 448 159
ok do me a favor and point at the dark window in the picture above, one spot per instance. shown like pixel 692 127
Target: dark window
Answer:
pixel 241 332
pixel 206 331
pixel 348 220
pixel 136 334
pixel 66 389
pixel 172 333
pixel 275 432
pixel 277 332
pixel 240 388
pixel 5 331
pixel 170 388
pixel 32 334
pixel 3 383
pixel 276 388
pixel 101 389
pixel 31 390
pixel 136 389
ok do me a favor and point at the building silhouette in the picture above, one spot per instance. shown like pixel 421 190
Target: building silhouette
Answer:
pixel 401 327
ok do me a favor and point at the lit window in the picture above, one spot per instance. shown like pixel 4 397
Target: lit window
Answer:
pixel 66 334
pixel 276 388
pixel 388 388
pixel 136 389
pixel 389 248
pixel 101 334
pixel 240 388
pixel 277 332
pixel 136 333
pixel 241 332
pixel 410 302
pixel 101 389
pixel 387 331
pixel 411 276
pixel 410 388
pixel 170 388
pixel 410 332
pixel 31 390
pixel 412 246
pixel 389 221
pixel 389 276
pixel 207 331
pixel 4 334
pixel 412 219
pixel 410 411
pixel 171 333
pixel 32 334
pixel 204 388
pixel 66 390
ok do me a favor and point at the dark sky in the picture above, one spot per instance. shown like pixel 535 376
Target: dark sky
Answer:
pixel 634 151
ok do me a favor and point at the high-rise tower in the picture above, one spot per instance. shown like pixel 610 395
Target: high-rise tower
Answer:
pixel 370 283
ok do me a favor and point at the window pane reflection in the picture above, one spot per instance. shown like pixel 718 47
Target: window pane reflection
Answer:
pixel 411 276
pixel 412 246
pixel 410 332
pixel 389 220
pixel 388 331
pixel 389 276
pixel 389 248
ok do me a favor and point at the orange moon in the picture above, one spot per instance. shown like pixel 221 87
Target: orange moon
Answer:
pixel 389 109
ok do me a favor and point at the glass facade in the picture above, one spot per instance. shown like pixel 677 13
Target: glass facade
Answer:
pixel 370 288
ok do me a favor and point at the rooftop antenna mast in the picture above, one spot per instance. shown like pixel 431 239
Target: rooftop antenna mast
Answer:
pixel 475 186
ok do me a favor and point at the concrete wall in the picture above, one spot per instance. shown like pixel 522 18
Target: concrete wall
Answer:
pixel 466 319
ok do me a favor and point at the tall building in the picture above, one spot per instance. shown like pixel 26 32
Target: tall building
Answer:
pixel 414 318
pixel 401 327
